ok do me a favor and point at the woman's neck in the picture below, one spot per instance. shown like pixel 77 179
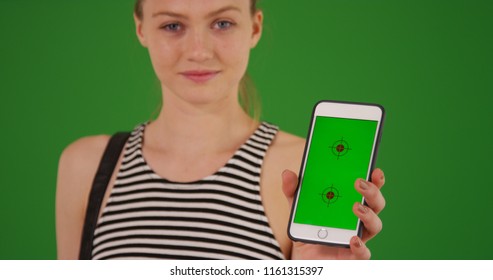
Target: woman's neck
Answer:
pixel 190 129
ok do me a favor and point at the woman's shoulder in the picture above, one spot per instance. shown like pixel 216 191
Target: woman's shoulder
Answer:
pixel 79 160
pixel 287 150
pixel 84 150
pixel 286 140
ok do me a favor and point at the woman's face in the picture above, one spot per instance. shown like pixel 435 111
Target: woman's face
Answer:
pixel 199 49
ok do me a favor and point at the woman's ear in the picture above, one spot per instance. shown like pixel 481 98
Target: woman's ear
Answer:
pixel 138 31
pixel 258 20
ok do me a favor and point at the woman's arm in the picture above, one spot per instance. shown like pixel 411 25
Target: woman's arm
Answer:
pixel 76 170
pixel 285 153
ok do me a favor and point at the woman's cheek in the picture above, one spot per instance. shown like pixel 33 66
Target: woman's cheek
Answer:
pixel 237 51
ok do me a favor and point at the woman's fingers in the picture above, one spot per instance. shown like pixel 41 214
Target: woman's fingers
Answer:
pixel 289 182
pixel 372 194
pixel 359 249
pixel 371 221
pixel 378 178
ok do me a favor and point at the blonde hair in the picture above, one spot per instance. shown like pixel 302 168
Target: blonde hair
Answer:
pixel 247 92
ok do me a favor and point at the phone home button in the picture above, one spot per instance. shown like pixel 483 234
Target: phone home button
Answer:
pixel 322 234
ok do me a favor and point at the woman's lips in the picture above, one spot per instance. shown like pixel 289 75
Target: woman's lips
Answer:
pixel 199 76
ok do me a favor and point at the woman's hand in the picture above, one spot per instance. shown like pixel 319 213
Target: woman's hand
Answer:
pixel 367 214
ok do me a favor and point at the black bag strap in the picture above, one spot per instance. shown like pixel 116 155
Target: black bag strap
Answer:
pixel 99 185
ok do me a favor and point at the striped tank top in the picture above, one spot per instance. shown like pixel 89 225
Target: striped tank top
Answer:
pixel 218 217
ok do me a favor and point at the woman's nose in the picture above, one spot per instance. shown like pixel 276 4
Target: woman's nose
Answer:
pixel 199 46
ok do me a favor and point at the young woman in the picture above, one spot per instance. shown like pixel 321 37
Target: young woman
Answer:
pixel 204 179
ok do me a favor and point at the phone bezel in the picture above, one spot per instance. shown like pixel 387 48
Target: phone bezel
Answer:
pixel 337 109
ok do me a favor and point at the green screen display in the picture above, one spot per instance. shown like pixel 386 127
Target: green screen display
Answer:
pixel 339 153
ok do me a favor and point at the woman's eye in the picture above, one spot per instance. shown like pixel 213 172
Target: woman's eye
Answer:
pixel 173 27
pixel 223 24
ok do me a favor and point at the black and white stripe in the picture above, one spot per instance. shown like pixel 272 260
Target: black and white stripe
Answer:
pixel 218 217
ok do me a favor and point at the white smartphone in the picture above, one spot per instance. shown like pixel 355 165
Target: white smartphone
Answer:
pixel 341 147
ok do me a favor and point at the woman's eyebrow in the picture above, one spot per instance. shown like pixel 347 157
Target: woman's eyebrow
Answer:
pixel 211 14
pixel 224 9
pixel 166 13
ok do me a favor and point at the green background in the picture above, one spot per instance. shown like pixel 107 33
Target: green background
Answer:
pixel 74 68
pixel 326 169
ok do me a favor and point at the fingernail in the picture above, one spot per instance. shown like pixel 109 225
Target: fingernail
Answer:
pixel 362 208
pixel 363 184
pixel 357 242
